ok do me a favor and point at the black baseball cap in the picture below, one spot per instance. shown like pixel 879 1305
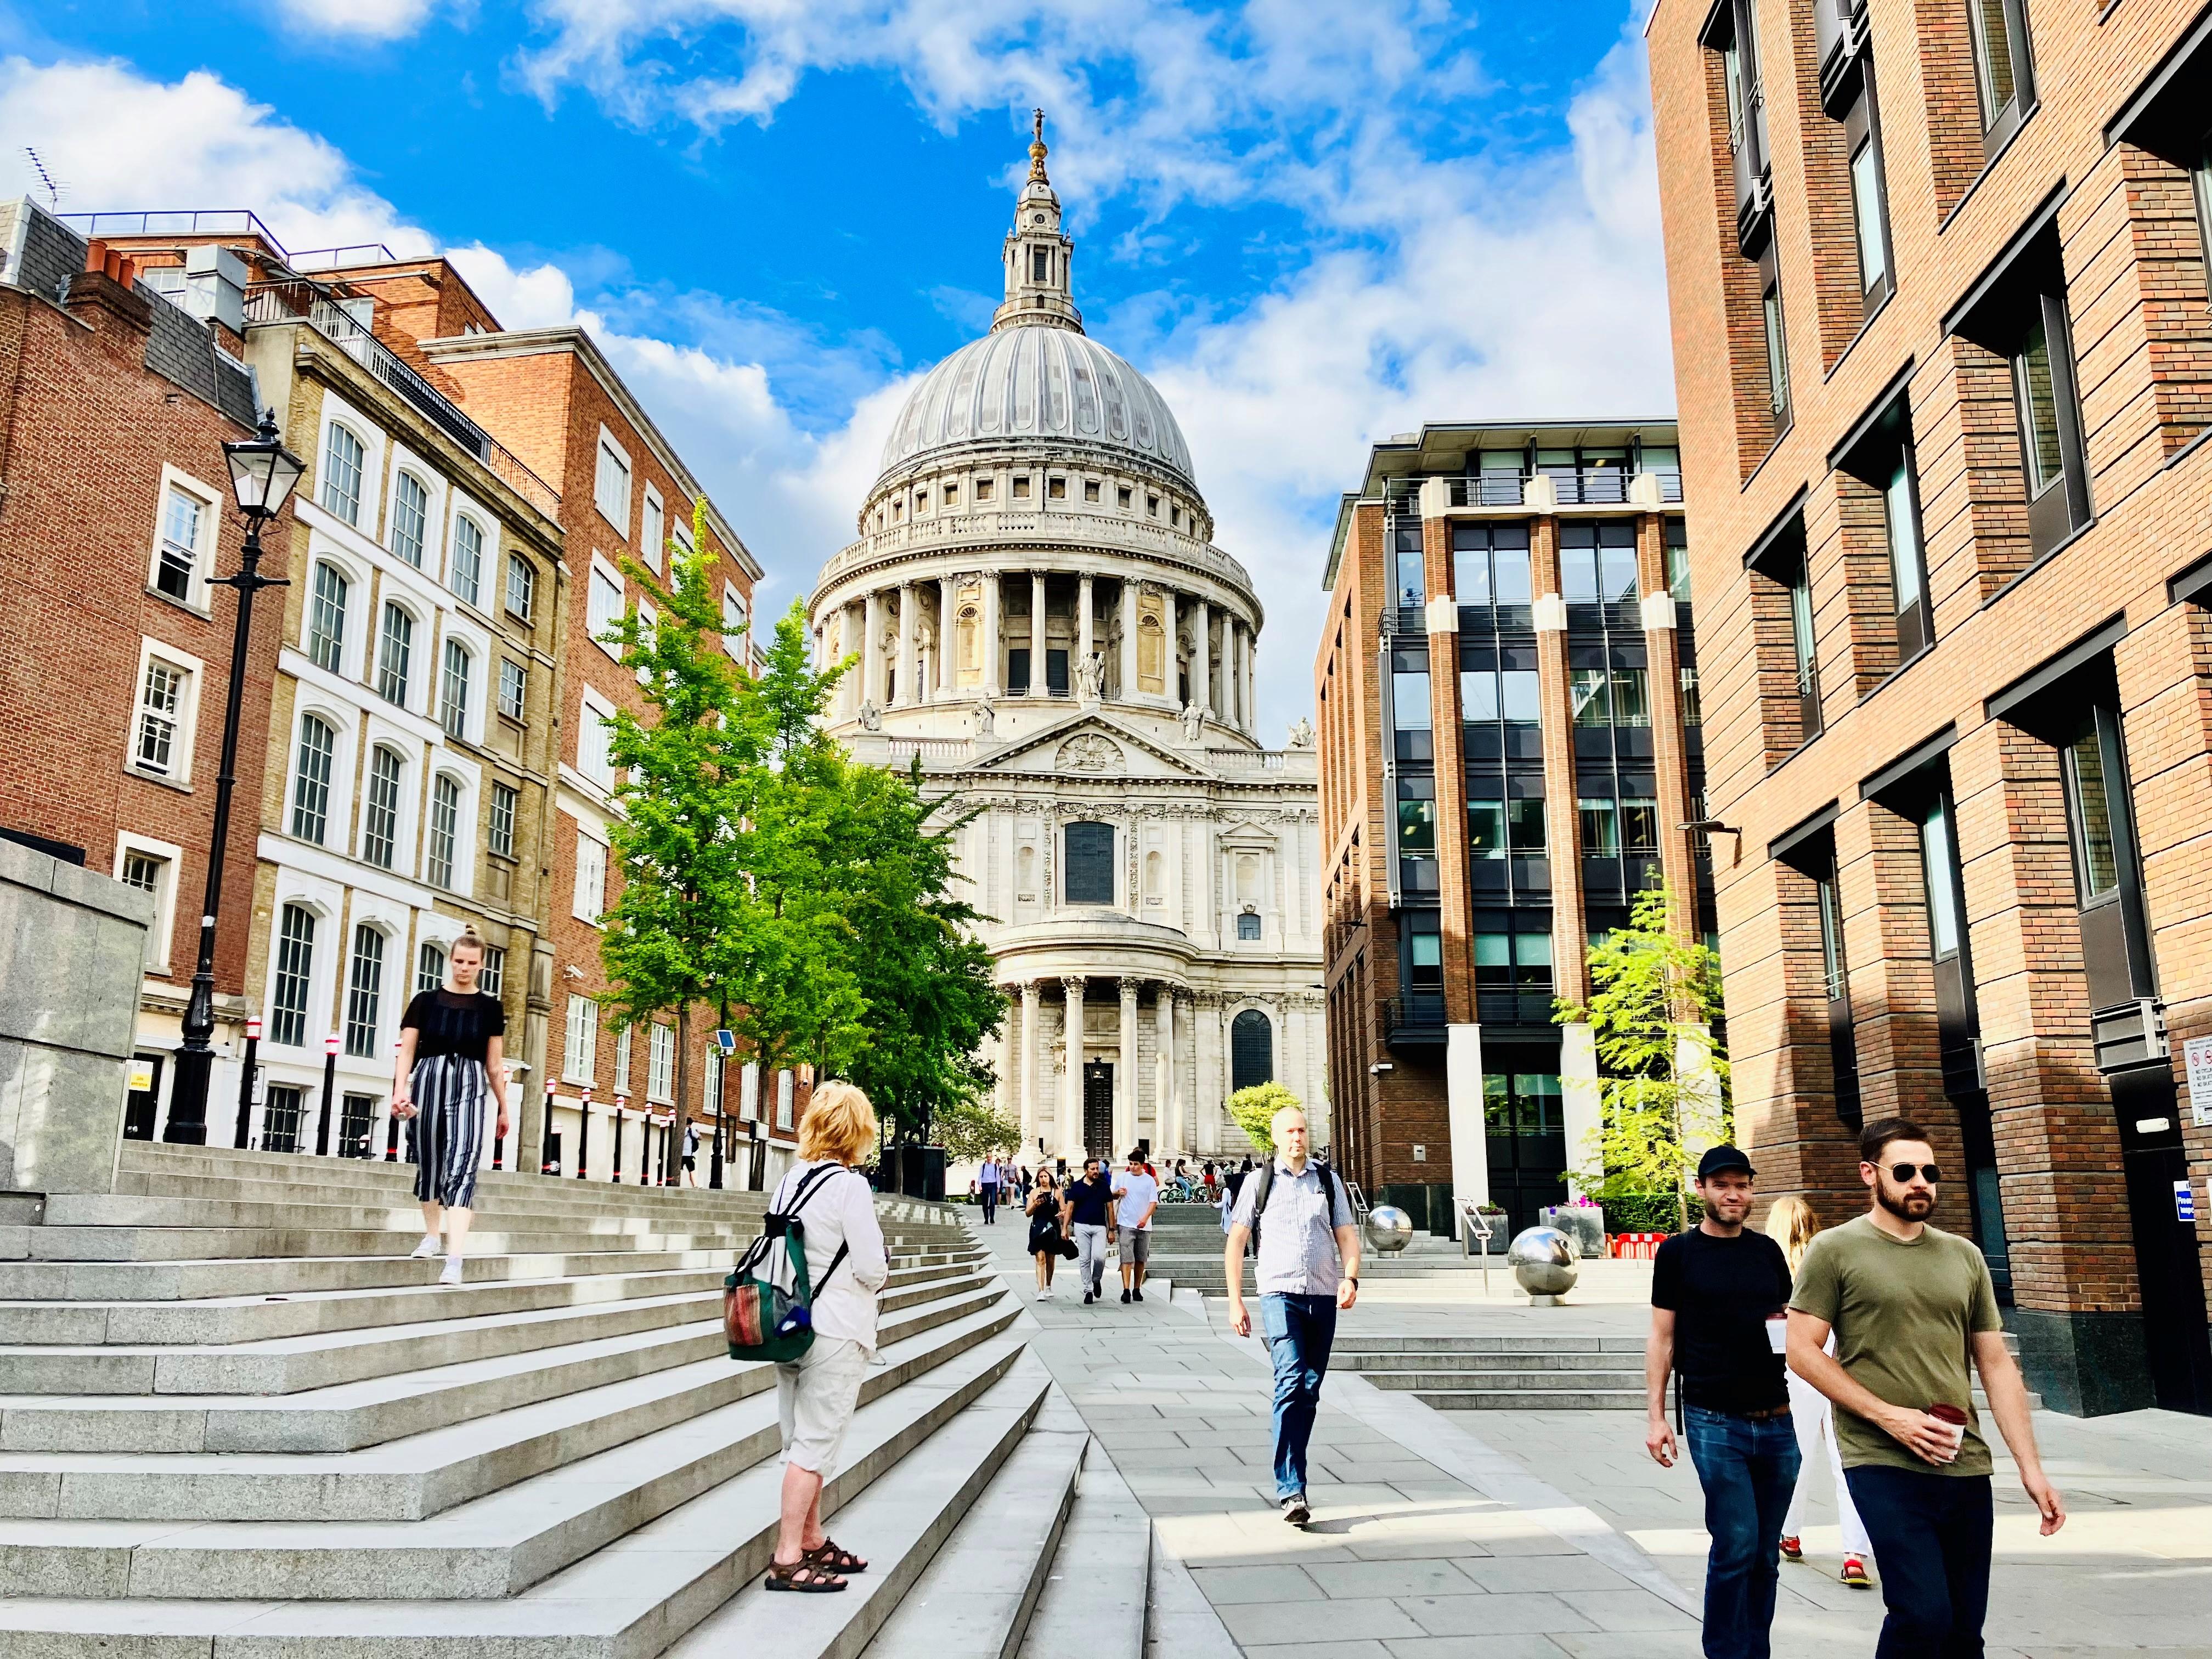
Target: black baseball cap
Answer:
pixel 1723 1158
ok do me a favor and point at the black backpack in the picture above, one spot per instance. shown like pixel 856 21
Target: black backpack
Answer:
pixel 1262 1181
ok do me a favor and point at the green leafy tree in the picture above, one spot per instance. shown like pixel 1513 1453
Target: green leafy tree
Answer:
pixel 1663 1082
pixel 971 1131
pixel 1253 1110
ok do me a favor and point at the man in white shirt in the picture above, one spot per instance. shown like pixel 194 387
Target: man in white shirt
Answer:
pixel 1136 1195
pixel 987 1184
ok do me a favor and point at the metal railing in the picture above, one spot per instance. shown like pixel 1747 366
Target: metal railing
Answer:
pixel 1417 1011
pixel 1488 488
pixel 309 303
pixel 180 221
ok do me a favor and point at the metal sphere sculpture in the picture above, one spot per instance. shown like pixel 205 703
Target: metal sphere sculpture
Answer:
pixel 1543 1261
pixel 1389 1229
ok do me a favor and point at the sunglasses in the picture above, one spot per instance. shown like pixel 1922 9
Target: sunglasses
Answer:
pixel 1901 1173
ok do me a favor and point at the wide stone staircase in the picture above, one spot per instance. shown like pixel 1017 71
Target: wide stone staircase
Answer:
pixel 237 1422
pixel 1566 1372
pixel 1187 1246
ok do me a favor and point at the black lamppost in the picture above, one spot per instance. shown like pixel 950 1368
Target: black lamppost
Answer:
pixel 262 474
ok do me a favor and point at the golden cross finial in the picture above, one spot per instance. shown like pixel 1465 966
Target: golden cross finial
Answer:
pixel 1037 146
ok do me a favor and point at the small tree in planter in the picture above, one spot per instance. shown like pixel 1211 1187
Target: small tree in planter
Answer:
pixel 1253 1110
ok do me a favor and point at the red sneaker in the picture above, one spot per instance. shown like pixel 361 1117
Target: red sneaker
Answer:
pixel 1793 1549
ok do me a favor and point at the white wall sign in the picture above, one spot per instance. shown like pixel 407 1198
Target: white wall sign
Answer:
pixel 2196 1053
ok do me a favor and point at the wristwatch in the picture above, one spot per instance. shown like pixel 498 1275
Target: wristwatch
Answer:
pixel 1352 1280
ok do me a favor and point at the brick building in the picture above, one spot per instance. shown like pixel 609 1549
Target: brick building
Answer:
pixel 115 509
pixel 1944 357
pixel 1510 748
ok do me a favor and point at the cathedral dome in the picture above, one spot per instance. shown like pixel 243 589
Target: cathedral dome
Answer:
pixel 1037 381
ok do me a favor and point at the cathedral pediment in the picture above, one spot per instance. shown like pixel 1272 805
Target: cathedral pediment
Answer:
pixel 1090 744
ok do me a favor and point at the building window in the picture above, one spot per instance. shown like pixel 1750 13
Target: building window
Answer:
pixel 1417 836
pixel 410 518
pixel 500 837
pixel 1601 827
pixel 342 461
pixel 280 1118
pixel 1870 200
pixel 2089 814
pixel 429 966
pixel 379 818
pixel 594 744
pixel 144 871
pixel 521 585
pixel 327 619
pixel 1251 1050
pixel 513 690
pixel 1937 869
pixel 311 789
pixel 622 1059
pixel 1639 826
pixel 652 530
pixel 163 713
pixel 1408 578
pixel 591 896
pixel 1907 567
pixel 784 1093
pixel 1778 344
pixel 1693 709
pixel 493 980
pixel 444 831
pixel 1248 925
pixel 295 962
pixel 1678 560
pixel 737 623
pixel 468 560
pixel 610 484
pixel 1089 860
pixel 2200 176
pixel 1490 563
pixel 604 612
pixel 364 993
pixel 578 1052
pixel 185 518
pixel 1597 564
pixel 2004 73
pixel 395 655
pixel 453 690
pixel 660 1065
pixel 1411 720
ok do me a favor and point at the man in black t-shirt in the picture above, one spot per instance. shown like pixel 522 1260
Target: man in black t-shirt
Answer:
pixel 1090 1210
pixel 1713 1291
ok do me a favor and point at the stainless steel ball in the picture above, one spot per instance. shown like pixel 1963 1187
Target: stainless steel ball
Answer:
pixel 1543 1261
pixel 1389 1229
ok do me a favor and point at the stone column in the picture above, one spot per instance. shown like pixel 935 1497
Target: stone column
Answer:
pixel 1581 1096
pixel 1231 677
pixel 1470 1148
pixel 1032 1007
pixel 1071 1094
pixel 1125 1081
pixel 1167 1133
pixel 1037 632
pixel 1202 659
pixel 909 688
pixel 1128 653
pixel 1205 1105
pixel 947 634
pixel 1086 629
pixel 1251 681
pixel 994 653
pixel 872 650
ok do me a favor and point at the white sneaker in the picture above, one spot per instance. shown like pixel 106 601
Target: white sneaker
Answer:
pixel 453 1273
pixel 430 1246
pixel 1044 1295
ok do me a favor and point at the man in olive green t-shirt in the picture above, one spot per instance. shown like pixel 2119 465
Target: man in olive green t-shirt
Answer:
pixel 1910 1304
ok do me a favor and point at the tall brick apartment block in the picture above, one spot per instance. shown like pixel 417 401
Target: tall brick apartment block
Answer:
pixel 1944 354
pixel 1511 747
pixel 115 401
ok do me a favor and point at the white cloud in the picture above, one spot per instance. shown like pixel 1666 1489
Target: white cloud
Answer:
pixel 361 20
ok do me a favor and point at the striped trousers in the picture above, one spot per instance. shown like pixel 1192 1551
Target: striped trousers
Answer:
pixel 445 1138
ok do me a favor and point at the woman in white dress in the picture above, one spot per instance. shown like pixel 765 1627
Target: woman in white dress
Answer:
pixel 1791 1223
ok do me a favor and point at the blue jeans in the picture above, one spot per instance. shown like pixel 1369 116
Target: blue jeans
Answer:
pixel 1299 1330
pixel 1931 1540
pixel 1748 1468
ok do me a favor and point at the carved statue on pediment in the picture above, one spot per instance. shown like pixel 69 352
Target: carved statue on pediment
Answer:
pixel 987 717
pixel 1090 678
pixel 1193 722
pixel 1301 733
pixel 871 717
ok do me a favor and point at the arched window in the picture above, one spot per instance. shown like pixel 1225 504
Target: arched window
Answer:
pixel 380 820
pixel 311 789
pixel 444 831
pixel 468 559
pixel 410 518
pixel 327 619
pixel 1090 862
pixel 521 584
pixel 1251 1050
pixel 429 966
pixel 453 690
pixel 364 993
pixel 1247 925
pixel 295 962
pixel 342 458
pixel 395 655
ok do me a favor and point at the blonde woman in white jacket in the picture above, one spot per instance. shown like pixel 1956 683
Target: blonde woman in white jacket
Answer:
pixel 815 1397
pixel 1791 1223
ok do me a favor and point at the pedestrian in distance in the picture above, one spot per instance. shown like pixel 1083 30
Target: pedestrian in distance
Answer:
pixel 1089 1208
pixel 847 1268
pixel 1307 1272
pixel 1791 1223
pixel 987 1181
pixel 453 1053
pixel 1713 1289
pixel 1136 1195
pixel 1048 1228
pixel 691 1154
pixel 1908 1304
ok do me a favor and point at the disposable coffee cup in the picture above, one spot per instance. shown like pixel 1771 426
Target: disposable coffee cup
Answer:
pixel 1953 1419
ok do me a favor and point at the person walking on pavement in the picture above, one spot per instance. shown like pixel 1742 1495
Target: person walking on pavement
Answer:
pixel 1091 1218
pixel 987 1185
pixel 1907 1304
pixel 1047 1231
pixel 1791 1223
pixel 1713 1289
pixel 691 1154
pixel 1136 1195
pixel 1308 1270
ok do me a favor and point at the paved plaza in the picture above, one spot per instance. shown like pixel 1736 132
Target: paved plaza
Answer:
pixel 1509 1534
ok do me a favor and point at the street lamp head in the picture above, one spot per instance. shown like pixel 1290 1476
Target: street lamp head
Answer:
pixel 263 472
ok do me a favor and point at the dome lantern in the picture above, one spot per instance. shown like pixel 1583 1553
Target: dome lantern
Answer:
pixel 1037 256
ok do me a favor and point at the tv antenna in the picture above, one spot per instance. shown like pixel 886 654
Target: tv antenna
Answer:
pixel 53 188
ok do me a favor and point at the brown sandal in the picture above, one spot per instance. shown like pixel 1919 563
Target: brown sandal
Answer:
pixel 832 1557
pixel 807 1577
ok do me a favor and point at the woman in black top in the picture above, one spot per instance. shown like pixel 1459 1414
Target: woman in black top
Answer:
pixel 451 1053
pixel 1046 1232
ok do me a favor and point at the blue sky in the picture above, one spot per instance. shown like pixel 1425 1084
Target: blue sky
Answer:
pixel 1313 223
